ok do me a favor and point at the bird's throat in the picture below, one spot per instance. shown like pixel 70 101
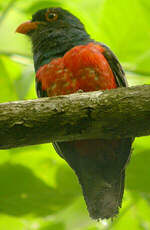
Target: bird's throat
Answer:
pixel 53 45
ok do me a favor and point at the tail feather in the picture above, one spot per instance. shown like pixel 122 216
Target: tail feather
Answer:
pixel 100 167
pixel 103 196
pixel 103 199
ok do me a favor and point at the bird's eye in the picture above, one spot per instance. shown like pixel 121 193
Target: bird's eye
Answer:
pixel 51 16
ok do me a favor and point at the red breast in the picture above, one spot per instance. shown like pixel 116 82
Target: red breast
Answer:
pixel 82 67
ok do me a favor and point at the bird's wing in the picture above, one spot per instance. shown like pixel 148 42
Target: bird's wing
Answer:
pixel 115 66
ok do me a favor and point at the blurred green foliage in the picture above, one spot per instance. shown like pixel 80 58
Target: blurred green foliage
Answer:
pixel 38 191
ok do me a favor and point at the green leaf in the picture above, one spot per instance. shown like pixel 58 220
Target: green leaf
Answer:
pixel 138 168
pixel 24 191
pixel 23 84
pixel 10 223
pixel 52 226
pixel 7 75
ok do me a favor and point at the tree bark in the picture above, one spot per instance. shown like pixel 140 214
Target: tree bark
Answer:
pixel 117 113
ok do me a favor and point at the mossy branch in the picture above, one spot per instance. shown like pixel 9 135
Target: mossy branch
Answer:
pixel 118 113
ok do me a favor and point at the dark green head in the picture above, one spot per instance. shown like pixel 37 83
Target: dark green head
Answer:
pixel 56 18
pixel 53 31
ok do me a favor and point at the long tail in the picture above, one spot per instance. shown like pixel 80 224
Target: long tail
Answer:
pixel 103 197
pixel 100 167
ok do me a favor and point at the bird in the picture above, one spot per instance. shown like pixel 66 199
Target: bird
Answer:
pixel 67 60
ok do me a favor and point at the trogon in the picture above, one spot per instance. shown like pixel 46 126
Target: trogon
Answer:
pixel 68 60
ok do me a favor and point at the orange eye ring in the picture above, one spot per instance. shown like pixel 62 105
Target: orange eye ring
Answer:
pixel 51 16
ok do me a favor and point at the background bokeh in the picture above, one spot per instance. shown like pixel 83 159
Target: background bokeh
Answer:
pixel 38 191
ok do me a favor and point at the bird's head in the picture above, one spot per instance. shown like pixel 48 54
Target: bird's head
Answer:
pixel 53 31
pixel 49 20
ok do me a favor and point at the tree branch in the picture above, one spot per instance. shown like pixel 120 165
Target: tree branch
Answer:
pixel 118 113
